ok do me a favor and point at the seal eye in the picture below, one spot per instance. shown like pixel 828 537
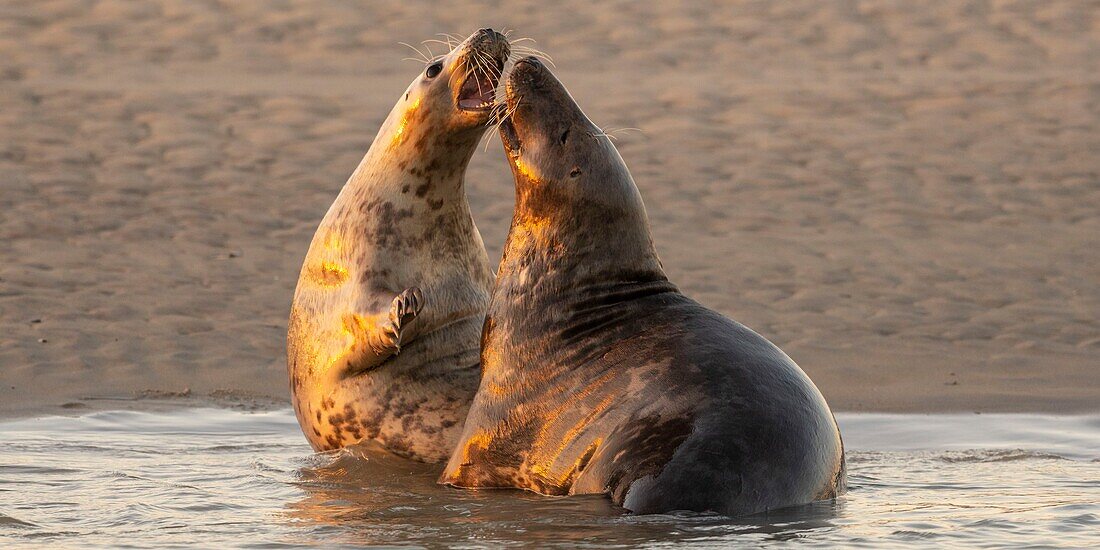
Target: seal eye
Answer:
pixel 434 69
pixel 575 172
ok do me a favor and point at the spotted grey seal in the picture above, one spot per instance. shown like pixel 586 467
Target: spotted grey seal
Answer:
pixel 598 375
pixel 383 334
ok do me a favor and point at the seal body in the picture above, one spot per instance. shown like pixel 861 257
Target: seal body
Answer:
pixel 384 327
pixel 599 376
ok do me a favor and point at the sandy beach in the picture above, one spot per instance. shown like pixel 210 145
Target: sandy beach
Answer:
pixel 904 196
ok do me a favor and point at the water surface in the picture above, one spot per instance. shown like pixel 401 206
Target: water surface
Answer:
pixel 218 478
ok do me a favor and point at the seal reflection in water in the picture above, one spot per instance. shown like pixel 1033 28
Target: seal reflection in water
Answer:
pixel 598 376
pixel 387 315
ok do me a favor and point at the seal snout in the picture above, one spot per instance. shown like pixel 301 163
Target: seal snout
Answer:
pixel 531 60
pixel 525 74
pixel 484 62
pixel 527 69
pixel 529 104
pixel 490 34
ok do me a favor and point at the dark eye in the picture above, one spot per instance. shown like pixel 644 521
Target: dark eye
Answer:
pixel 433 69
pixel 564 137
pixel 575 172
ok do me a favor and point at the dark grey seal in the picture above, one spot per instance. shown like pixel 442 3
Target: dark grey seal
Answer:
pixel 598 375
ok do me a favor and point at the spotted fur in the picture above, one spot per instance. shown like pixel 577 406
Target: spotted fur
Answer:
pixel 384 327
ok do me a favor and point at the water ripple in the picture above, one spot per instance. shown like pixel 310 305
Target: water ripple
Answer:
pixel 212 478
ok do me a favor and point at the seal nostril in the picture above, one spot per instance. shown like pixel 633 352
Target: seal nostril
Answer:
pixel 564 137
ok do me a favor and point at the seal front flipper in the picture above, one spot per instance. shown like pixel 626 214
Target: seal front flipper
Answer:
pixel 378 337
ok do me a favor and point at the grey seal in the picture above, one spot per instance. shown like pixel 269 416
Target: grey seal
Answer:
pixel 598 375
pixel 383 335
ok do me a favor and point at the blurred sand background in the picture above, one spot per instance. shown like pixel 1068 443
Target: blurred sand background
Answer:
pixel 905 196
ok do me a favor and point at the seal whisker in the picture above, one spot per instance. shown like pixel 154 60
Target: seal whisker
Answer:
pixel 508 112
pixel 479 68
pixel 425 58
pixel 485 141
pixel 499 120
pixel 451 40
pixel 440 42
pixel 485 62
pixel 609 133
pixel 519 49
pixel 530 49
pixel 468 69
pixel 520 54
pixel 522 51
pixel 450 36
pixel 467 73
pixel 500 115
pixel 486 59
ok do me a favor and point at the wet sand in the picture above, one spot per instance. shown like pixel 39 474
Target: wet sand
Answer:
pixel 904 196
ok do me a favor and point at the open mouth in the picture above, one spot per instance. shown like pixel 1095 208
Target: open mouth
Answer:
pixel 478 92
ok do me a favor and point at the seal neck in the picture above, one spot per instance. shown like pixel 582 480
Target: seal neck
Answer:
pixel 426 151
pixel 593 254
pixel 572 281
pixel 400 204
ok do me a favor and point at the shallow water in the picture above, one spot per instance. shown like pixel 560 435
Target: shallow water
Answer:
pixel 216 478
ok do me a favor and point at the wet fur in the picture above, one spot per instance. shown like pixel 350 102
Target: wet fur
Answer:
pixel 599 376
pixel 402 220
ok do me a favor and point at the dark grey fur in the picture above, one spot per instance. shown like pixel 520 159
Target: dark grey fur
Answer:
pixel 599 376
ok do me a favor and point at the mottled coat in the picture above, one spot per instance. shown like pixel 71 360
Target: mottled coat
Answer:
pixel 386 318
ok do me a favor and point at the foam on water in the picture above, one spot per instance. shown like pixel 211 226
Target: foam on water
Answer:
pixel 218 478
